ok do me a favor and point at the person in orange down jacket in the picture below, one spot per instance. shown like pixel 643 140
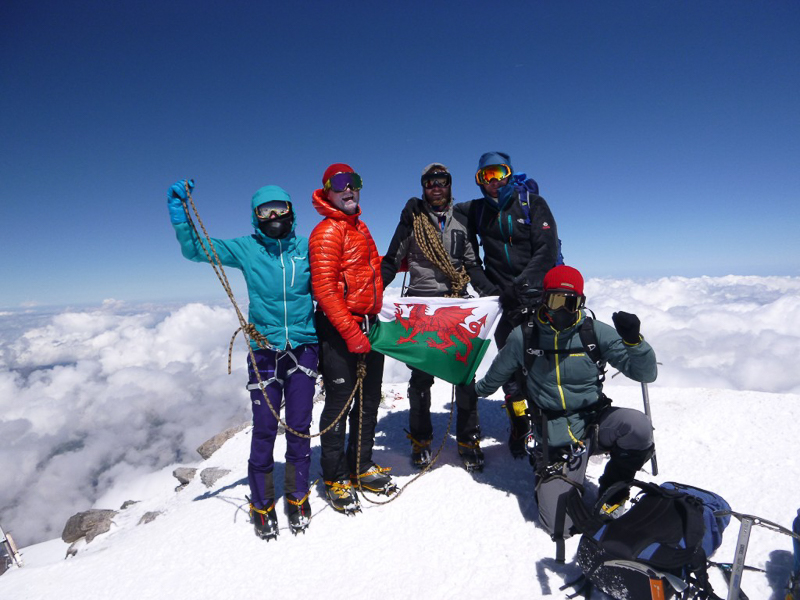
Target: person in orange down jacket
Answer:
pixel 346 279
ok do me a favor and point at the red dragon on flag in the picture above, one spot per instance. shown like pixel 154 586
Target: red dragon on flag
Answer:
pixel 448 323
pixel 457 333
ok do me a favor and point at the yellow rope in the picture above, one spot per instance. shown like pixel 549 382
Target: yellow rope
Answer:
pixel 248 329
pixel 430 242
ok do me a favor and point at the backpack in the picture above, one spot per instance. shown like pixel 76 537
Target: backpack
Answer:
pixel 659 548
pixel 524 186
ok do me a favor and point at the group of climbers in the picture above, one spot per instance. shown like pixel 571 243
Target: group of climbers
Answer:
pixel 313 301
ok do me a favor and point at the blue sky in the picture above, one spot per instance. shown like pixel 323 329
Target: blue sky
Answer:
pixel 664 135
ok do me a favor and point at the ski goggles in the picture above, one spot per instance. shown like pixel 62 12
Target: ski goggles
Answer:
pixel 341 181
pixel 570 301
pixel 273 209
pixel 438 179
pixel 486 174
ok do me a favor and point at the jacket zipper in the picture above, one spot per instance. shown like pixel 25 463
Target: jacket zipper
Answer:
pixel 561 389
pixel 285 306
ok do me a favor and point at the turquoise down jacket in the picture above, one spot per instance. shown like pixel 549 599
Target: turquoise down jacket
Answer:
pixel 567 385
pixel 276 272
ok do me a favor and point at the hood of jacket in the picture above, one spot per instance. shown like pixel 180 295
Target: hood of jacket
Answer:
pixel 505 193
pixel 319 200
pixel 266 194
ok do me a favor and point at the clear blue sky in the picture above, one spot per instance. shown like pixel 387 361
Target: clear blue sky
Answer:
pixel 665 135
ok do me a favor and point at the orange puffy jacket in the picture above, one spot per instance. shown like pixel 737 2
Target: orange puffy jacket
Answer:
pixel 345 271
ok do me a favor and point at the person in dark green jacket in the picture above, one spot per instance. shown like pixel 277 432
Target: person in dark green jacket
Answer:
pixel 274 262
pixel 564 386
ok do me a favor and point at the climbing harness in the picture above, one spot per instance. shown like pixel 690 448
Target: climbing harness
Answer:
pixel 248 329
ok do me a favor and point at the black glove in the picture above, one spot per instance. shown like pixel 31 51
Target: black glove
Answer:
pixel 627 326
pixel 508 299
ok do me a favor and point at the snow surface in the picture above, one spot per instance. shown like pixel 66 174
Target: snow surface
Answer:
pixel 448 535
pixel 96 405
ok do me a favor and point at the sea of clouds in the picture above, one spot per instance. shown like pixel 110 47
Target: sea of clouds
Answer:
pixel 94 396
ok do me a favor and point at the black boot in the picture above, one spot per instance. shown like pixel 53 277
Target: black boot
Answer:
pixel 342 497
pixel 471 454
pixel 420 451
pixel 375 479
pixel 265 521
pixel 298 511
pixel 622 467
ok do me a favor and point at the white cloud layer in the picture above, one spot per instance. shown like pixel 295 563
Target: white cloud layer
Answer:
pixel 91 397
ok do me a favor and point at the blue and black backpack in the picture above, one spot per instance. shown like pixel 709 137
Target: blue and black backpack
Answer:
pixel 658 549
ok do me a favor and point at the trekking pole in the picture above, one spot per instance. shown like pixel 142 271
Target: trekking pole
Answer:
pixel 646 398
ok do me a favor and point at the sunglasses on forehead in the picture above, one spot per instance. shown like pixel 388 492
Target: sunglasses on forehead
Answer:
pixel 341 181
pixel 273 210
pixel 570 301
pixel 486 174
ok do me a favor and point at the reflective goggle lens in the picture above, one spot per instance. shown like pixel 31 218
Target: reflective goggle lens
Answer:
pixel 486 174
pixel 566 300
pixel 341 181
pixel 432 180
pixel 273 209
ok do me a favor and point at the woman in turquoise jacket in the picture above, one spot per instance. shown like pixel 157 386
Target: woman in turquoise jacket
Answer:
pixel 274 262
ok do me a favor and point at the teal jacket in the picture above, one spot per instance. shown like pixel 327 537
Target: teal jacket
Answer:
pixel 568 383
pixel 276 272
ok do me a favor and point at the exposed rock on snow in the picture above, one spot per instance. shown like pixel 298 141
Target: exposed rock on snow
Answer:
pixel 208 447
pixel 211 475
pixel 88 524
pixel 149 517
pixel 184 475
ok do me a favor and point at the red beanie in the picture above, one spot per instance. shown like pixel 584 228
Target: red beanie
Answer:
pixel 334 169
pixel 565 278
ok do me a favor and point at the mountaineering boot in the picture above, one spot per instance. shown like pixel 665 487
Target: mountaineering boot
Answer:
pixel 342 497
pixel 471 454
pixel 265 521
pixel 299 513
pixel 615 506
pixel 377 480
pixel 621 468
pixel 420 451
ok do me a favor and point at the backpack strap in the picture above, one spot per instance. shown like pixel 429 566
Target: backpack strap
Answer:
pixel 589 341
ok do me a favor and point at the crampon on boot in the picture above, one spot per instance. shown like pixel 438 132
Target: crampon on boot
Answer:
pixel 615 506
pixel 471 455
pixel 299 513
pixel 376 480
pixel 265 521
pixel 420 451
pixel 342 497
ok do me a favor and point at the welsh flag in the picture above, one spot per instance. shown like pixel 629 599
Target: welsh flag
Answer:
pixel 446 337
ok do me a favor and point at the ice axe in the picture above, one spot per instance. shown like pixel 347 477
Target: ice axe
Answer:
pixel 646 398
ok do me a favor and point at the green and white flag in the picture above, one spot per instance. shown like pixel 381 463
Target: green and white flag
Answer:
pixel 446 337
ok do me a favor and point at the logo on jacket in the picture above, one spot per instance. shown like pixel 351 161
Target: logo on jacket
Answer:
pixel 545 225
pixel 447 323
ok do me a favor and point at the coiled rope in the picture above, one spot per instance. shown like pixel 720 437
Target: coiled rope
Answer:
pixel 430 242
pixel 248 329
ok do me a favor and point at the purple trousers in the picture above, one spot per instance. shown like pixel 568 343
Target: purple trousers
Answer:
pixel 289 377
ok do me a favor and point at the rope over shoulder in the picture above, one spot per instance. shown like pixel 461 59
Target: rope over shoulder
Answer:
pixel 431 245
